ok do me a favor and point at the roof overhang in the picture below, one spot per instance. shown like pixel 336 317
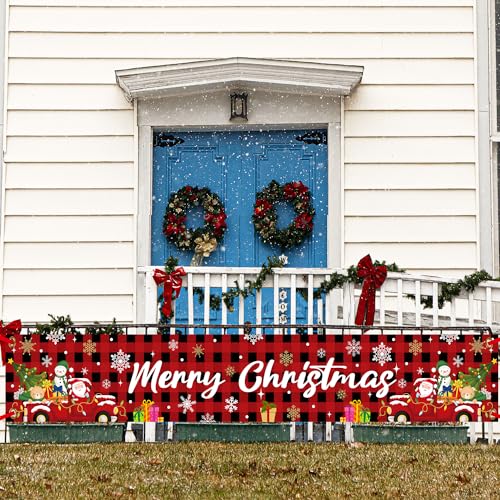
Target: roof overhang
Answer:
pixel 239 73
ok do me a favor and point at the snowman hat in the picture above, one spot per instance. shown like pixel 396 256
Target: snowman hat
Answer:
pixel 63 363
pixel 441 363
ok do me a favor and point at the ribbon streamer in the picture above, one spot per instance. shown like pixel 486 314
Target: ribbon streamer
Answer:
pixel 5 330
pixel 172 284
pixel 374 277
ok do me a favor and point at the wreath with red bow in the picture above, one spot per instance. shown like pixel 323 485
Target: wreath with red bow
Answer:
pixel 174 222
pixel 265 217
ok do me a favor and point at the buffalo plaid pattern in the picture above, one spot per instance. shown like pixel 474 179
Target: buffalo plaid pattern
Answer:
pixel 108 362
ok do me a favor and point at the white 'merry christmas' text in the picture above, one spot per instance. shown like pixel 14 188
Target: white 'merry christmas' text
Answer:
pixel 312 377
pixel 171 379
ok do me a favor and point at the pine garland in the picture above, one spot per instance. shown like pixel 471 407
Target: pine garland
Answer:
pixel 66 324
pixel 338 280
pixel 250 288
pixel 449 291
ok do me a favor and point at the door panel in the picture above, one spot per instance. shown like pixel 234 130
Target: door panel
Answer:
pixel 236 165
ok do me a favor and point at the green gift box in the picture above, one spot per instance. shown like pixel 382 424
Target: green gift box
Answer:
pixel 365 415
pixel 138 414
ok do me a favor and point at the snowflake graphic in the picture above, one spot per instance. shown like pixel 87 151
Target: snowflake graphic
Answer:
pixel 253 337
pixel 415 347
pixel 283 295
pixel 477 346
pixel 186 404
pixel 402 383
pixel 341 395
pixel 173 345
pixel 286 358
pixel 198 351
pixel 106 383
pixel 321 353
pixel 293 413
pixel 231 404
pixel 89 347
pixel 449 337
pixel 283 307
pixel 353 347
pixel 28 346
pixel 283 319
pixel 46 361
pixel 382 354
pixel 56 336
pixel 420 371
pixel 458 361
pixel 230 371
pixel 207 418
pixel 85 370
pixel 120 361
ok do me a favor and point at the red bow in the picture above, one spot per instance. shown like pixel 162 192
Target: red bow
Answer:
pixel 172 284
pixel 373 277
pixel 5 330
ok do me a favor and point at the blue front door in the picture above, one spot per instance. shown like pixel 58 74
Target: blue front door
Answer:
pixel 236 165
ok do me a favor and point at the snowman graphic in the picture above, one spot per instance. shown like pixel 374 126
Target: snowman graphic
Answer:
pixel 60 379
pixel 444 379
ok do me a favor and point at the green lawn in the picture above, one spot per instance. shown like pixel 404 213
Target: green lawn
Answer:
pixel 212 470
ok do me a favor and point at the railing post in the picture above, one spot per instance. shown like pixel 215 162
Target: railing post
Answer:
pixel 3 401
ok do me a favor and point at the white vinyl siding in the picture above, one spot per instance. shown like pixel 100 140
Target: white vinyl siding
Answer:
pixel 70 201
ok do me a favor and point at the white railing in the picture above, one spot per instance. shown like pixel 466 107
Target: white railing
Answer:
pixel 394 304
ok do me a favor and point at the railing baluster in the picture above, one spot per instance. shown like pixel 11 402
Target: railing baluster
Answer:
pixel 352 305
pixel 382 306
pixel 418 308
pixel 435 304
pixel 310 302
pixel 223 305
pixel 293 301
pixel 258 310
pixel 190 302
pixel 241 303
pixel 471 308
pixel 453 312
pixel 489 311
pixel 319 309
pixel 400 302
pixel 346 303
pixel 151 302
pixel 206 303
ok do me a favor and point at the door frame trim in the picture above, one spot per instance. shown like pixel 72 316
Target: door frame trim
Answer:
pixel 176 114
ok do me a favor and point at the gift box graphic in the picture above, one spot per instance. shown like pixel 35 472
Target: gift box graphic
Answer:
pixel 154 413
pixel 268 412
pixel 349 413
pixel 138 415
pixel 365 415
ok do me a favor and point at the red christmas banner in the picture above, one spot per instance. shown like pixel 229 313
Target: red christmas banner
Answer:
pixel 445 375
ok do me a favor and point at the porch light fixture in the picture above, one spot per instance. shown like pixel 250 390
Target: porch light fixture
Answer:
pixel 239 107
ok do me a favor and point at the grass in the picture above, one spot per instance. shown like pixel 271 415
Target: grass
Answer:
pixel 215 470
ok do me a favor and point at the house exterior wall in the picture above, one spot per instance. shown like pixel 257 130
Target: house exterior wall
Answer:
pixel 409 161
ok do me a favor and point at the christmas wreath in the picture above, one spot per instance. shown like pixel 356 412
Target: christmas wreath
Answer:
pixel 203 240
pixel 265 218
